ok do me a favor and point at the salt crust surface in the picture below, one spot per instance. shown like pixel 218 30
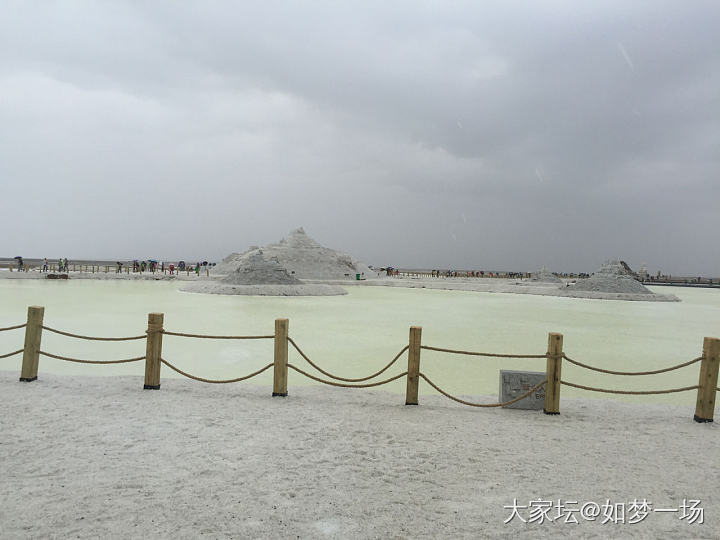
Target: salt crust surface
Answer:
pixel 310 289
pixel 493 285
pixel 89 457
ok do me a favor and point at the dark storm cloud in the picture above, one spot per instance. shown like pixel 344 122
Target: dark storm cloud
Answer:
pixel 492 135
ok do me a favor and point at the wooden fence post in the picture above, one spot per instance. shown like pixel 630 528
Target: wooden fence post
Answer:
pixel 33 336
pixel 413 375
pixel 280 369
pixel 553 371
pixel 705 408
pixel 153 351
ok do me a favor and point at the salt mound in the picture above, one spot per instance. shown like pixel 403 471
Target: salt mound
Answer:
pixel 304 258
pixel 255 274
pixel 612 277
pixel 255 269
pixel 545 276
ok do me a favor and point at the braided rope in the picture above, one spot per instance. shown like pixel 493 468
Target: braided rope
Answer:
pixel 526 394
pixel 125 361
pixel 297 348
pixel 629 392
pixel 592 368
pixel 23 325
pixel 332 383
pixel 91 338
pixel 494 355
pixel 11 354
pixel 214 381
pixel 202 336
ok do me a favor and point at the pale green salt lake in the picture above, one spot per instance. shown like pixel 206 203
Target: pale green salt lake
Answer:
pixel 355 335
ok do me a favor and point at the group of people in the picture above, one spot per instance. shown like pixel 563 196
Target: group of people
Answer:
pixel 62 265
pixel 137 266
pixel 454 273
pixel 154 266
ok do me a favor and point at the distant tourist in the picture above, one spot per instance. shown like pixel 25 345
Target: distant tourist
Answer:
pixel 45 265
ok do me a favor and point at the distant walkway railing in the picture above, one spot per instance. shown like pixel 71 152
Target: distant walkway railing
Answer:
pixel 706 387
pixel 108 268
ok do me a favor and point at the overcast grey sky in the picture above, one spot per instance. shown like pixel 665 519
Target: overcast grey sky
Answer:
pixel 488 135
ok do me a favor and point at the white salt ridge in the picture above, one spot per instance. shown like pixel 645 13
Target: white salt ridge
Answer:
pixel 612 277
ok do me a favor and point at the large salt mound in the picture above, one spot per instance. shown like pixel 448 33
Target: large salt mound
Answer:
pixel 304 258
pixel 612 277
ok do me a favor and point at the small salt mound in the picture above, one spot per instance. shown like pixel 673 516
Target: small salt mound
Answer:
pixel 230 263
pixel 545 276
pixel 612 277
pixel 255 269
pixel 258 275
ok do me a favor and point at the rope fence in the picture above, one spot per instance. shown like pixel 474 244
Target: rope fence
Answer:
pixel 344 385
pixel 664 370
pixel 215 381
pixel 91 338
pixel 202 336
pixel 337 378
pixel 471 404
pixel 492 355
pixel 629 392
pixel 13 327
pixel 78 361
pixel 547 390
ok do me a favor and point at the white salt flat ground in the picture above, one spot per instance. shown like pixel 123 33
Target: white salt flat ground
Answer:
pixel 87 457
